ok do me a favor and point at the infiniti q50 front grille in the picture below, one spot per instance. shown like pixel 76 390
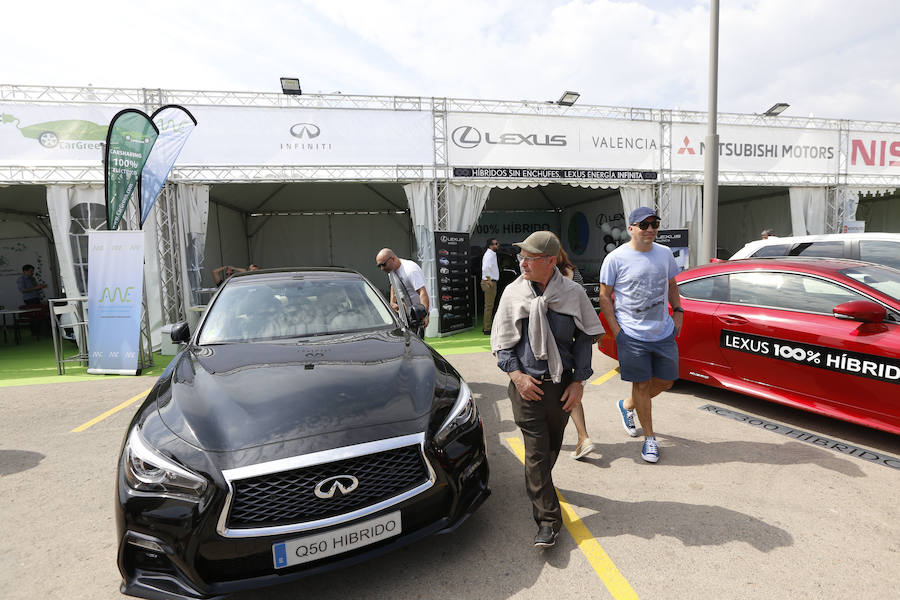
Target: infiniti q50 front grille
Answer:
pixel 289 497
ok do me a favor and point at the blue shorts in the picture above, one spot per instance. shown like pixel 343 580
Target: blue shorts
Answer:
pixel 640 361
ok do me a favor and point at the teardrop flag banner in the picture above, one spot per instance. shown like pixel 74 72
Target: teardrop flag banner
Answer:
pixel 129 140
pixel 175 123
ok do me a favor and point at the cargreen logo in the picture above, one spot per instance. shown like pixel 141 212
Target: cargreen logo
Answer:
pixel 50 133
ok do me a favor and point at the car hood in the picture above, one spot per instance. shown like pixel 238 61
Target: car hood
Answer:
pixel 237 396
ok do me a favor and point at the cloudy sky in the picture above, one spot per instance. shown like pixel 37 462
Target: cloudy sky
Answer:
pixel 827 58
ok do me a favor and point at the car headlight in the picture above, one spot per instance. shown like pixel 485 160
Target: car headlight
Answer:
pixel 462 415
pixel 147 470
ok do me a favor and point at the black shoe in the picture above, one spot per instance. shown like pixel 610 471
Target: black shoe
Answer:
pixel 545 537
pixel 485 332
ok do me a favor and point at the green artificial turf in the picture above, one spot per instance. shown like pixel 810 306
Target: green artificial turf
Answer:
pixel 32 362
pixel 461 343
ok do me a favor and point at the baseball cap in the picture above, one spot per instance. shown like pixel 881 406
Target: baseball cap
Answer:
pixel 540 242
pixel 641 213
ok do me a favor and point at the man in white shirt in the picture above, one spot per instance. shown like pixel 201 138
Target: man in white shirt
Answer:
pixel 490 274
pixel 411 277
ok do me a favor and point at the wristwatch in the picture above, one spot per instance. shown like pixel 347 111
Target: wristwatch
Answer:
pixel 677 309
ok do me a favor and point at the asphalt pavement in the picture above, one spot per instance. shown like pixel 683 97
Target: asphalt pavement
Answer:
pixel 748 500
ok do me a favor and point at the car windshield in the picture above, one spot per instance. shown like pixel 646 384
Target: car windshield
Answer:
pixel 885 280
pixel 253 309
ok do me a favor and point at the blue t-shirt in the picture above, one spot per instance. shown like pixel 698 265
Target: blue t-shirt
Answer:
pixel 640 281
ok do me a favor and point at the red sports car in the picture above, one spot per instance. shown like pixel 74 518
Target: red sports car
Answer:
pixel 818 334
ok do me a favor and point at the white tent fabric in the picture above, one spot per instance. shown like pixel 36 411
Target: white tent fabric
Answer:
pixel 151 281
pixel 634 196
pixel 193 214
pixel 807 210
pixel 849 198
pixel 686 212
pixel 420 196
pixel 464 204
pixel 60 201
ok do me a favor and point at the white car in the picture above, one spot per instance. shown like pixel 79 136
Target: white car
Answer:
pixel 881 248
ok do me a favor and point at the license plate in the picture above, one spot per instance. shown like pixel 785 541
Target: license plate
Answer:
pixel 314 547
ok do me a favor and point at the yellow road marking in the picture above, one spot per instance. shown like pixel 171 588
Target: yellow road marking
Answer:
pixel 606 377
pixel 614 581
pixel 111 411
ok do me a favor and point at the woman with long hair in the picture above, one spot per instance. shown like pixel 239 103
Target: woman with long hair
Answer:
pixel 584 446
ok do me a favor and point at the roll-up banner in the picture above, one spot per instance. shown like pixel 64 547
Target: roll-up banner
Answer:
pixel 175 123
pixel 454 278
pixel 115 292
pixel 129 140
pixel 677 241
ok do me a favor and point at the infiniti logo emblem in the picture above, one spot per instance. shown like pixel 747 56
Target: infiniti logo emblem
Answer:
pixel 466 136
pixel 305 130
pixel 341 485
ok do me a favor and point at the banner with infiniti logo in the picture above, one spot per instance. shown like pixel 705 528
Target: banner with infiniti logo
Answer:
pixel 294 136
pixel 523 141
pixel 73 134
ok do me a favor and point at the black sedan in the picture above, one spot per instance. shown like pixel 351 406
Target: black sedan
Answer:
pixel 302 428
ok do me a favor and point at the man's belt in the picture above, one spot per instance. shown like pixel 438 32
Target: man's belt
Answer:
pixel 565 373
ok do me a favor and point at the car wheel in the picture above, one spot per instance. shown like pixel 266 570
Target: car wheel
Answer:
pixel 48 139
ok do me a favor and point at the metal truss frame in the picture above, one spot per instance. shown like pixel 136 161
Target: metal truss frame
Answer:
pixel 168 252
pixel 158 97
pixel 151 98
pixel 441 173
pixel 664 188
pixel 287 173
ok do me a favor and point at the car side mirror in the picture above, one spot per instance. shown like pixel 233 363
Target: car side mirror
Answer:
pixel 181 333
pixel 864 311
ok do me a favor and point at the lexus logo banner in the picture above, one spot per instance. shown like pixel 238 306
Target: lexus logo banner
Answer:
pixel 525 141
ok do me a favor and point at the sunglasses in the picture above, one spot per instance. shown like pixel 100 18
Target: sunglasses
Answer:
pixel 529 259
pixel 645 224
pixel 382 265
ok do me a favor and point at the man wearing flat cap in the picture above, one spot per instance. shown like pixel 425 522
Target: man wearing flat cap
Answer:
pixel 542 336
pixel 641 273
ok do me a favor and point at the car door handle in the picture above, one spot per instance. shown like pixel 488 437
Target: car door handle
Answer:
pixel 732 319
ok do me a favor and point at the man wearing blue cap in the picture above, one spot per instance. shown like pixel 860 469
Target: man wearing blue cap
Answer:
pixel 641 274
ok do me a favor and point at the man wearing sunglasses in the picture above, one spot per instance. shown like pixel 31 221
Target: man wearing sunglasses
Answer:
pixel 641 274
pixel 411 278
pixel 542 336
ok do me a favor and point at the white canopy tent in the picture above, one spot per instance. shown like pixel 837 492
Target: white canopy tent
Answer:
pixel 321 180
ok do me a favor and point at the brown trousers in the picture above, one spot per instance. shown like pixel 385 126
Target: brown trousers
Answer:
pixel 543 423
pixel 490 293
